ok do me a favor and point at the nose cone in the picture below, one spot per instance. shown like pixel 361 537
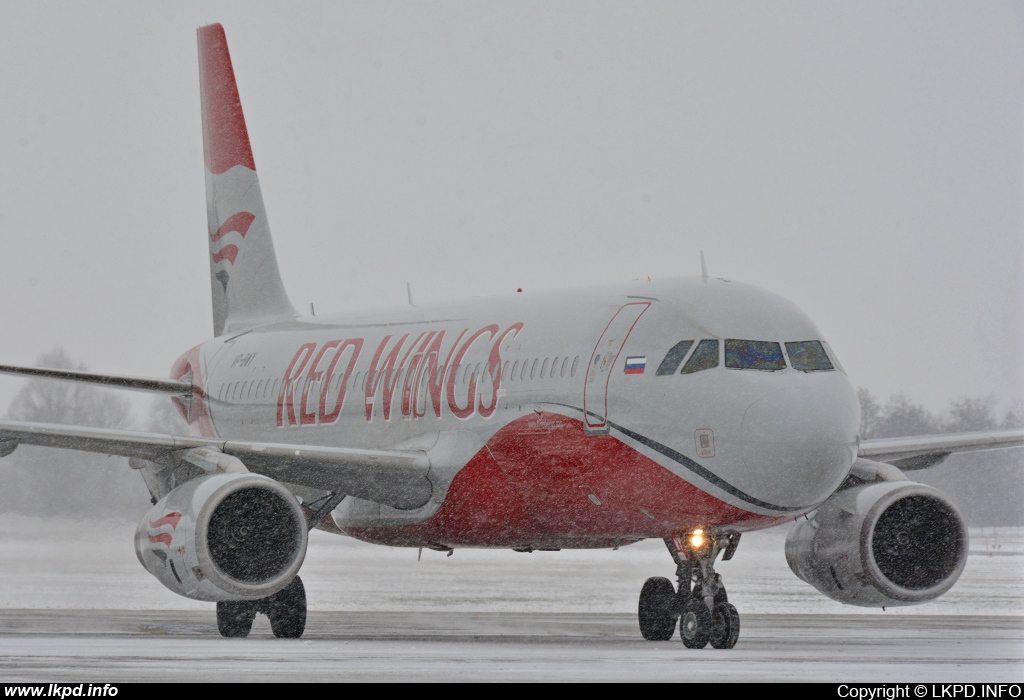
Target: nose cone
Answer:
pixel 799 443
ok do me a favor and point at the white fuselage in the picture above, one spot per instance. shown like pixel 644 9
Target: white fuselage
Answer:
pixel 546 422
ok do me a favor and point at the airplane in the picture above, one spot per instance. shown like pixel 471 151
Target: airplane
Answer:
pixel 690 410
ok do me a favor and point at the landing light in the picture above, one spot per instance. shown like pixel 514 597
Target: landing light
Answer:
pixel 697 539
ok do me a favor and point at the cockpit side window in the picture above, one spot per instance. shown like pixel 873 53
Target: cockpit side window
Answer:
pixel 704 357
pixel 675 356
pixel 808 356
pixel 754 354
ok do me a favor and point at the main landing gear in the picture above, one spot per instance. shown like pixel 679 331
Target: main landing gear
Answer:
pixel 699 602
pixel 286 610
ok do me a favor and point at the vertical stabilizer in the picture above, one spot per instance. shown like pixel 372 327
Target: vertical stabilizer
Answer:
pixel 246 284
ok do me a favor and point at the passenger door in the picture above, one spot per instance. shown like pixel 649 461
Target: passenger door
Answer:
pixel 602 362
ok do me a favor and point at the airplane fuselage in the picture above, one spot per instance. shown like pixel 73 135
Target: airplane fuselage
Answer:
pixel 545 418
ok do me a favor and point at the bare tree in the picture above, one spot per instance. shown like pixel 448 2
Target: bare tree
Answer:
pixel 1014 417
pixel 164 418
pixel 967 414
pixel 46 481
pixel 987 487
pixel 869 412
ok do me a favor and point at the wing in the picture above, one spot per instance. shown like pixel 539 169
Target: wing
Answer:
pixel 397 478
pixel 923 451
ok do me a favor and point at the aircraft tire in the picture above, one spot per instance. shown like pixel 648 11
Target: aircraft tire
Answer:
pixel 234 617
pixel 695 624
pixel 657 609
pixel 287 610
pixel 725 626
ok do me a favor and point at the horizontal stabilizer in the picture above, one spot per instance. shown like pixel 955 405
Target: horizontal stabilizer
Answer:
pixel 160 386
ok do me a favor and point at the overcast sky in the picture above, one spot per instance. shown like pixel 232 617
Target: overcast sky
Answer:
pixel 862 159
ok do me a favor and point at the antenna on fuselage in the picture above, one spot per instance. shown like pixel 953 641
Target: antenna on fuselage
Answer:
pixel 408 290
pixel 703 268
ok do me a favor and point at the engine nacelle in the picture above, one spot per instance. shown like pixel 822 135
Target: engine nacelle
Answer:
pixel 224 537
pixel 888 543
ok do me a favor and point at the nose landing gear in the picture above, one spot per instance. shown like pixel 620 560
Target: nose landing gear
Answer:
pixel 698 601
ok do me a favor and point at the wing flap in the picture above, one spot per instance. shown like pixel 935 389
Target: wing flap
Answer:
pixel 397 478
pixel 923 451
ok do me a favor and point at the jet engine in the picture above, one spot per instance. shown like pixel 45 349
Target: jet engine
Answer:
pixel 879 544
pixel 224 537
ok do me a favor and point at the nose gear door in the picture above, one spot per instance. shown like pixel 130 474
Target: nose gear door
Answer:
pixel 602 362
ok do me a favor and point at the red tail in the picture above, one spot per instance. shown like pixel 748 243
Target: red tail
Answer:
pixel 225 138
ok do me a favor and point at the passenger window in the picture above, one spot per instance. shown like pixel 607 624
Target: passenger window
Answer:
pixel 565 362
pixel 674 357
pixel 704 357
pixel 808 356
pixel 522 373
pixel 554 368
pixel 754 354
pixel 515 368
pixel 575 364
pixel 533 369
pixel 544 367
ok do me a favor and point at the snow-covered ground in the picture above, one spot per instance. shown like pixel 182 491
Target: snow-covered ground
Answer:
pixel 64 563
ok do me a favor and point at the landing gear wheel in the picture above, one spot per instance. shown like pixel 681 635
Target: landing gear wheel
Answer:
pixel 657 609
pixel 287 610
pixel 725 626
pixel 695 624
pixel 234 617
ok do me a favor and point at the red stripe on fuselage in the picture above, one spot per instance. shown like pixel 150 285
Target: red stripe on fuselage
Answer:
pixel 541 482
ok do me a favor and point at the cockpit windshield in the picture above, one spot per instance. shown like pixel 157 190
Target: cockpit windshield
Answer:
pixel 763 355
pixel 808 356
pixel 754 354
pixel 671 362
pixel 704 357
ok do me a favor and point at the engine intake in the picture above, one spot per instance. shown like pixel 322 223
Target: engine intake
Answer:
pixel 224 537
pixel 889 543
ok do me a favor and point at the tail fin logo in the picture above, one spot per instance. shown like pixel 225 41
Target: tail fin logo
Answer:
pixel 165 538
pixel 171 519
pixel 238 223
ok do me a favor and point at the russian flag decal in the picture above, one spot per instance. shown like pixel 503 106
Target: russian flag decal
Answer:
pixel 636 365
